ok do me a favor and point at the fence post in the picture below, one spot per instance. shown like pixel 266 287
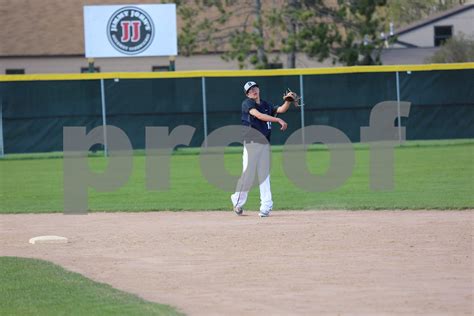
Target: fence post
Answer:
pixel 398 109
pixel 302 110
pixel 104 119
pixel 204 108
pixel 2 151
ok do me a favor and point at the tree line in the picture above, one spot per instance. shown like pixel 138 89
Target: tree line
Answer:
pixel 259 33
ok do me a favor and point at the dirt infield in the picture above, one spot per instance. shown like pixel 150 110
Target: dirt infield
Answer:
pixel 311 262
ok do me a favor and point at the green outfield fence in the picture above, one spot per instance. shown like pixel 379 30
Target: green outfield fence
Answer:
pixel 35 108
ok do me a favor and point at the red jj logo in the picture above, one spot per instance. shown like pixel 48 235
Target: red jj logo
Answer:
pixel 130 27
pixel 130 30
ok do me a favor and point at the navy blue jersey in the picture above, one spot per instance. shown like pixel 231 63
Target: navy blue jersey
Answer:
pixel 249 120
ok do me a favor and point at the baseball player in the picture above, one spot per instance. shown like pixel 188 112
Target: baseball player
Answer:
pixel 257 117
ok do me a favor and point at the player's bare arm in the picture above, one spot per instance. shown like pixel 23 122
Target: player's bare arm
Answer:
pixel 284 107
pixel 268 118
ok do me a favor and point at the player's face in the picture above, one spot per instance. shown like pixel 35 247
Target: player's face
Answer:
pixel 253 92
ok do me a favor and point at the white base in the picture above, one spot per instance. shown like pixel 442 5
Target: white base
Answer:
pixel 48 240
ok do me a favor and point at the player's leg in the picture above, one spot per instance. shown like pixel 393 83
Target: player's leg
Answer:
pixel 264 163
pixel 239 198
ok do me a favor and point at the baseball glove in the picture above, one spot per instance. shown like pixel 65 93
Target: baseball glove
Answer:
pixel 291 96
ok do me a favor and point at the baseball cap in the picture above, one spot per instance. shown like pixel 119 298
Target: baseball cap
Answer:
pixel 249 85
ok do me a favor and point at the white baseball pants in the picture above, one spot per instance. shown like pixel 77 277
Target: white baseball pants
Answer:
pixel 256 159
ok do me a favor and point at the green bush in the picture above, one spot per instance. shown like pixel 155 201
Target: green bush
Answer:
pixel 458 49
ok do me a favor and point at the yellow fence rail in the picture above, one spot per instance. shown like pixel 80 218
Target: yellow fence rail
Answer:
pixel 235 73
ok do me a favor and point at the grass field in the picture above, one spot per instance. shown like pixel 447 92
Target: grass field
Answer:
pixel 36 287
pixel 428 175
